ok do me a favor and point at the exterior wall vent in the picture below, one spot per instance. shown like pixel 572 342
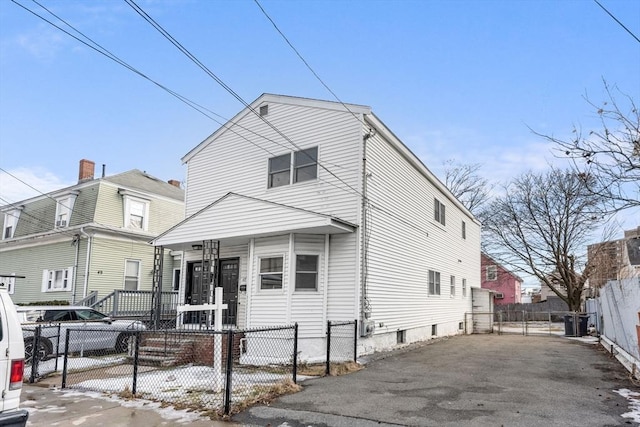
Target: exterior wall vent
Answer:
pixel 264 110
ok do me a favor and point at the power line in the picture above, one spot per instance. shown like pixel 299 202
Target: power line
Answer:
pixel 616 19
pixel 305 62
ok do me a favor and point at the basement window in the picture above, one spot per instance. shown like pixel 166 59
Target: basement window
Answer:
pixel 434 330
pixel 401 337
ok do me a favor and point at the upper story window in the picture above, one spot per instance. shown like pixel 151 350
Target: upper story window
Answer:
pixel 464 287
pixel 279 170
pixel 464 230
pixel 434 282
pixel 64 209
pixel 136 213
pixel 307 272
pixel 453 286
pixel 305 165
pixel 492 272
pixel 271 272
pixel 287 169
pixel 439 211
pixel 10 223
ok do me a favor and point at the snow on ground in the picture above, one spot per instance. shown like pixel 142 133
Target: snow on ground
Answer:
pixel 634 404
pixel 49 366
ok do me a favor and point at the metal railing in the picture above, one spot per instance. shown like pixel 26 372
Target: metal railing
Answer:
pixel 123 303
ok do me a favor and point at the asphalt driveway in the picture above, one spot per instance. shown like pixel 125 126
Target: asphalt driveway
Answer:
pixel 477 380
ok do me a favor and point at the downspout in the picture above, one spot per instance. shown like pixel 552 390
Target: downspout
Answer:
pixel 86 267
pixel 76 242
pixel 365 308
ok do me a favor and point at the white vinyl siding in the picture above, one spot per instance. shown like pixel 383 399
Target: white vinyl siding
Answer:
pixel 336 135
pixel 404 242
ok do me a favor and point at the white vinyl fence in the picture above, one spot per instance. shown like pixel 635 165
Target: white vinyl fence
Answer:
pixel 618 308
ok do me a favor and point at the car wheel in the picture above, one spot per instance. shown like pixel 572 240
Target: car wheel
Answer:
pixel 42 351
pixel 122 343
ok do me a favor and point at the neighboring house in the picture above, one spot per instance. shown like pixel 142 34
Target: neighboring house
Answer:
pixel 311 211
pixel 89 238
pixel 506 286
pixel 614 260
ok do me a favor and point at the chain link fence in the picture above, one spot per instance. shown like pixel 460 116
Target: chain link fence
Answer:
pixel 342 344
pixel 533 323
pixel 199 369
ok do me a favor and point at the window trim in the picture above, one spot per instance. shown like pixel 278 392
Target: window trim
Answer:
pixel 434 283
pixel 128 199
pixel 49 280
pixel 294 166
pixel 11 218
pixel 126 277
pixel 439 212
pixel 317 273
pixel 260 273
pixel 64 209
pixel 452 283
pixel 493 276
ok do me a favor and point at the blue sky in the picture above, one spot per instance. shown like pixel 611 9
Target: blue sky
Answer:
pixel 459 80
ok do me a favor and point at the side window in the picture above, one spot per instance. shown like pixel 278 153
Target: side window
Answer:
pixel 439 211
pixel 492 272
pixel 131 275
pixel 434 282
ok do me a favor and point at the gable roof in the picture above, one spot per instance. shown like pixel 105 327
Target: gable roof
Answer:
pixel 239 218
pixel 280 99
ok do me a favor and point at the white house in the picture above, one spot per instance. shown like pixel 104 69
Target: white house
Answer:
pixel 310 211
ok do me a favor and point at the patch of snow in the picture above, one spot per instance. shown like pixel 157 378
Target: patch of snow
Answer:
pixel 634 404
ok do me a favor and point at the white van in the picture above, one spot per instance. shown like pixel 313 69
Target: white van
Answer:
pixel 11 363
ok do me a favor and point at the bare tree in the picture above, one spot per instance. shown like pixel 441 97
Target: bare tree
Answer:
pixel 541 226
pixel 466 183
pixel 611 154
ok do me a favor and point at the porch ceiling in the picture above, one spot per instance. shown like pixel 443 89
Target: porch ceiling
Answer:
pixel 235 219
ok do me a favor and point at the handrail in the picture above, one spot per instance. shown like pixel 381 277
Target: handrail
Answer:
pixel 89 300
pixel 134 303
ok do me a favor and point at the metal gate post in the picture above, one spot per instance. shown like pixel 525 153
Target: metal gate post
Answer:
pixel 355 340
pixel 229 373
pixel 136 360
pixel 328 366
pixel 295 353
pixel 64 363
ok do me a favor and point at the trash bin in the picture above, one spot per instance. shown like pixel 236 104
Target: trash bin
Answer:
pixel 569 329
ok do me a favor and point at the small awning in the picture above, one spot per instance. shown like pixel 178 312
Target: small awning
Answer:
pixel 235 219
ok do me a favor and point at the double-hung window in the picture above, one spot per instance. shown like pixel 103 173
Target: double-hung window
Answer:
pixel 131 275
pixel 307 272
pixel 434 282
pixel 136 212
pixel 64 208
pixel 453 286
pixel 280 170
pixel 295 167
pixel 492 272
pixel 271 272
pixel 10 222
pixel 439 211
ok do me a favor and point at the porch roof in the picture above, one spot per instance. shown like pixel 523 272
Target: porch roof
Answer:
pixel 235 219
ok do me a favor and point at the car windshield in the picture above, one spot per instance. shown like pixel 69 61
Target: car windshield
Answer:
pixel 89 315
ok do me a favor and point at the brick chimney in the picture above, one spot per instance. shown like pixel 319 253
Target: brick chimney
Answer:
pixel 174 182
pixel 87 168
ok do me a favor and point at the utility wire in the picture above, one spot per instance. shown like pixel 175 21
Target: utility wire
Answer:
pixel 305 62
pixel 616 19
pixel 226 87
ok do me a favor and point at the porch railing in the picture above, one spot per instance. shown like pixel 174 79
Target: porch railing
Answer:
pixel 123 303
pixel 89 300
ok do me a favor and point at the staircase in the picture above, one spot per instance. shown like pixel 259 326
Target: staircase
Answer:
pixel 165 351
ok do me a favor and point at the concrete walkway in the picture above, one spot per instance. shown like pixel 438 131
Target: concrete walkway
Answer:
pixel 478 380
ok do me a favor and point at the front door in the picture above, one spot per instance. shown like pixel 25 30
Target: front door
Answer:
pixel 229 273
pixel 199 292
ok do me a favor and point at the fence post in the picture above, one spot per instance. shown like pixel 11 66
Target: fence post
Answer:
pixel 295 353
pixel 523 324
pixel 35 354
pixel 328 366
pixel 355 340
pixel 66 356
pixel 57 348
pixel 229 373
pixel 136 360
